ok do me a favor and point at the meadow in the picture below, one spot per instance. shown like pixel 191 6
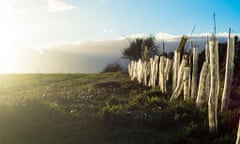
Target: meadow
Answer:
pixel 103 108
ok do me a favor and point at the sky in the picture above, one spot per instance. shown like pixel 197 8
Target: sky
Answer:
pixel 43 25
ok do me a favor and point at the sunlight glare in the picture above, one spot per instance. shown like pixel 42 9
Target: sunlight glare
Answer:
pixel 7 38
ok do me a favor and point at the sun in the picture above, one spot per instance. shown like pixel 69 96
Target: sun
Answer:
pixel 7 50
pixel 7 38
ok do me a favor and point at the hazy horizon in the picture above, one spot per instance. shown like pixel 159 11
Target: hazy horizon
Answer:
pixel 86 57
pixel 60 36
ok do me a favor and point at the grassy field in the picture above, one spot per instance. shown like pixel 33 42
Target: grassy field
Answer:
pixel 102 108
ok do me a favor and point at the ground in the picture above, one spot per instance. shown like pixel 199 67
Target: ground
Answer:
pixel 104 108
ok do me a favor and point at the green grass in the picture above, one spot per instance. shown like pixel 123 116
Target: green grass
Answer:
pixel 100 108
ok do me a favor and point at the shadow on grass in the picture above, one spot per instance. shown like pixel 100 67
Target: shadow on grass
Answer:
pixel 36 122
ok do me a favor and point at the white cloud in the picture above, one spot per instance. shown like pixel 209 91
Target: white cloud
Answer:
pixel 94 55
pixel 28 6
pixel 133 36
pixel 165 36
pixel 57 5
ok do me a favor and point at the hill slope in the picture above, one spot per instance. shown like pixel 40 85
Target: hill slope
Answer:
pixel 97 108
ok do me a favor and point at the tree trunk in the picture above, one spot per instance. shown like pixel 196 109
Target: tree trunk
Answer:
pixel 213 97
pixel 194 75
pixel 228 74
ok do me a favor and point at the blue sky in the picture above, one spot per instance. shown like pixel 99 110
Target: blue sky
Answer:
pixel 47 23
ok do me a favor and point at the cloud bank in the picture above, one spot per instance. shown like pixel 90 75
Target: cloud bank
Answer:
pixel 90 56
pixel 83 57
pixel 27 6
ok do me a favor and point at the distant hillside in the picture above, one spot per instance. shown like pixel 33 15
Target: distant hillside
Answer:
pixel 86 57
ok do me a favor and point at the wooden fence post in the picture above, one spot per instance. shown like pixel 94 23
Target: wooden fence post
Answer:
pixel 151 72
pixel 207 50
pixel 129 69
pixel 204 80
pixel 208 80
pixel 168 68
pixel 139 71
pixel 161 81
pixel 156 63
pixel 154 71
pixel 132 70
pixel 146 72
pixel 176 93
pixel 186 89
pixel 228 74
pixel 202 96
pixel 176 63
pixel 213 97
pixel 238 133
pixel 134 67
pixel 194 75
pixel 167 71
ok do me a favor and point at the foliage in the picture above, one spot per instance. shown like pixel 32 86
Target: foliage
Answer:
pixel 115 67
pixel 141 48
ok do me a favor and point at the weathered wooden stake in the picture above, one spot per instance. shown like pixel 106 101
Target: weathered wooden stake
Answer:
pixel 176 63
pixel 207 50
pixel 202 95
pixel 176 93
pixel 134 67
pixel 156 63
pixel 194 75
pixel 139 71
pixel 151 72
pixel 162 83
pixel 168 68
pixel 154 71
pixel 204 80
pixel 167 71
pixel 146 72
pixel 208 80
pixel 213 97
pixel 228 74
pixel 129 69
pixel 186 89
pixel 238 134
